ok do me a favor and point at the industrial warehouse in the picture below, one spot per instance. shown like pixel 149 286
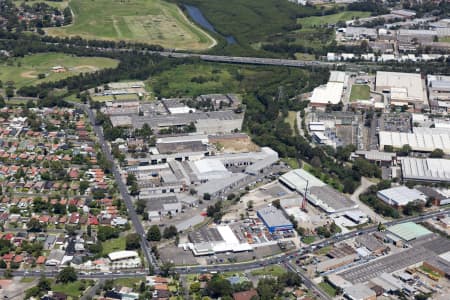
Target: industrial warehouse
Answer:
pixel 425 169
pixel 317 192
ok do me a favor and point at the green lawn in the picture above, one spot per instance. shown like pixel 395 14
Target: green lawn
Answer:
pixel 25 70
pixel 328 288
pixel 113 245
pixel 308 239
pixel 332 19
pixel 445 39
pixel 190 80
pixel 360 92
pixel 274 270
pixel 70 289
pixel 148 21
pixel 324 250
pixel 291 162
pixel 304 56
pixel 290 119
pixel 27 279
pixel 128 282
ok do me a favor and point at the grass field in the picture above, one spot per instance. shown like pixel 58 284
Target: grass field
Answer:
pixel 332 19
pixel 25 71
pixel 148 21
pixel 191 80
pixel 113 245
pixel 444 39
pixel 328 288
pixel 274 270
pixel 304 56
pixel 290 119
pixel 57 4
pixel 291 162
pixel 360 92
pixel 308 239
pixel 70 289
pixel 128 282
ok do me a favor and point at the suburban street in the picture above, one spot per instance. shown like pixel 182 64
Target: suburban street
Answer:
pixel 123 191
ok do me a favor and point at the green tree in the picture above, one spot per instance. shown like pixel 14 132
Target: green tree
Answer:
pixel 170 232
pixel 132 241
pixel 219 287
pixel 206 196
pixel 437 153
pixel 34 225
pixel 66 275
pixel 154 234
pixel 44 284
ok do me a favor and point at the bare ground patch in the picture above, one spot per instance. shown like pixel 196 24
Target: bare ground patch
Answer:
pixel 29 74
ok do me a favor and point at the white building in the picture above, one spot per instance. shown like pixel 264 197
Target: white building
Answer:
pixel 400 196
pixel 429 169
pixel 124 259
pixel 330 93
pixel 418 141
pixel 404 88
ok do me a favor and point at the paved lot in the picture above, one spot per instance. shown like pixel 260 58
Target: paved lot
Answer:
pixel 177 255
pixel 421 251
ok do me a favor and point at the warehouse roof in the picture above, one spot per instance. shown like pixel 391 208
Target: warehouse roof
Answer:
pixel 401 195
pixel 431 169
pixel 417 141
pixel 377 155
pixel 328 93
pixel 409 231
pixel 299 178
pixel 412 82
pixel 209 165
pixel 273 217
pixel 359 292
pixel 337 76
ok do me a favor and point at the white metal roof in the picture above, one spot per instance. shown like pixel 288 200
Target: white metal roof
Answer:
pixel 417 141
pixel 299 178
pixel 412 82
pixel 337 76
pixel 328 93
pixel 426 169
pixel 401 195
pixel 209 165
pixel 118 255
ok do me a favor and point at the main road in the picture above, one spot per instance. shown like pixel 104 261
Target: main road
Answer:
pixel 278 259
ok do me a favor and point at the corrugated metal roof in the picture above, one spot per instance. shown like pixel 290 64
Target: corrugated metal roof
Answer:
pixel 409 231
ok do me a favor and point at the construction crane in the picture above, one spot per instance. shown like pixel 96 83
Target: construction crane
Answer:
pixel 305 201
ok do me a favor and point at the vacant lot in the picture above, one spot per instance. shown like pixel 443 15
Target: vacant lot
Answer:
pixel 360 92
pixel 332 19
pixel 25 71
pixel 113 245
pixel 194 79
pixel 147 21
pixel 237 145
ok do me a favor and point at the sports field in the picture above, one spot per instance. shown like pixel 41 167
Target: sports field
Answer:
pixel 25 71
pixel 332 19
pixel 148 21
pixel 360 92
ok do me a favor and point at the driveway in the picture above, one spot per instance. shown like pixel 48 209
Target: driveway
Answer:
pixel 365 184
